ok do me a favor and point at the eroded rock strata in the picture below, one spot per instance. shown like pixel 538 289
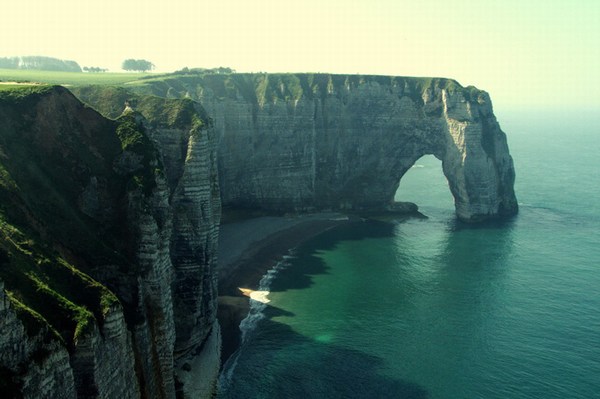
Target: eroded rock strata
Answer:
pixel 108 247
pixel 317 141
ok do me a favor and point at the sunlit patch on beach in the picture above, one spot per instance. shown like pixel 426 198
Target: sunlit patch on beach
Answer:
pixel 259 296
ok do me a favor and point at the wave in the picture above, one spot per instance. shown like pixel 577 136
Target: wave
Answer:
pixel 258 305
pixel 258 298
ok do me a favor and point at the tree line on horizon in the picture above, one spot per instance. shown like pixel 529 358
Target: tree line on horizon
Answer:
pixel 35 62
pixel 43 63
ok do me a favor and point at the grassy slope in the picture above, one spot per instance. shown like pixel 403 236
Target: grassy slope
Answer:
pixel 110 100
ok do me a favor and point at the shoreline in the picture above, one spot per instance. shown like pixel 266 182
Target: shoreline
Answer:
pixel 247 250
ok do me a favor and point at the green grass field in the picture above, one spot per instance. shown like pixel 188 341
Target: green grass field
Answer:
pixel 68 78
pixel 11 86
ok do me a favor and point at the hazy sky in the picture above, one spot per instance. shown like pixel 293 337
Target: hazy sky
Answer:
pixel 521 51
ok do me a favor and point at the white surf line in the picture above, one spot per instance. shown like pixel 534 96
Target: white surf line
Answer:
pixel 258 303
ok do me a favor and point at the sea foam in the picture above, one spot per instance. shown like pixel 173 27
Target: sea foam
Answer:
pixel 258 304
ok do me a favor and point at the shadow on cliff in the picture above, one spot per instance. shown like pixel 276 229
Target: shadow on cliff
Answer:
pixel 286 364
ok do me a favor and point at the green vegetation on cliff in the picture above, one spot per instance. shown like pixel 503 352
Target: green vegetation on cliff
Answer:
pixel 47 292
pixel 134 140
pixel 16 92
pixel 261 88
pixel 110 101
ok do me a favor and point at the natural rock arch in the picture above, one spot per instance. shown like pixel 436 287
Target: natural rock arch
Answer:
pixel 349 148
pixel 298 142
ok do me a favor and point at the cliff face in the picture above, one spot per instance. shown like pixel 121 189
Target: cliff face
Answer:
pixel 302 142
pixel 185 139
pixel 52 374
pixel 108 246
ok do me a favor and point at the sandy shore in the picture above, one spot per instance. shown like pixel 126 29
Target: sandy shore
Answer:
pixel 249 248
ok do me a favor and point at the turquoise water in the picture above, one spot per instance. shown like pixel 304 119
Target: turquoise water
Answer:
pixel 432 308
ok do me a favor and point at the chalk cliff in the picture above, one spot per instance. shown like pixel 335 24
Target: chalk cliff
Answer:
pixel 318 141
pixel 108 248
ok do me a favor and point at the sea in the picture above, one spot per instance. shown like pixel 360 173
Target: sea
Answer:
pixel 434 308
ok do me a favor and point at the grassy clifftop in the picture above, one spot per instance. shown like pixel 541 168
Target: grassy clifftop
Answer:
pixel 263 87
pixel 254 87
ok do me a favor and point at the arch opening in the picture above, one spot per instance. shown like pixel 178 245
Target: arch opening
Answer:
pixel 426 185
